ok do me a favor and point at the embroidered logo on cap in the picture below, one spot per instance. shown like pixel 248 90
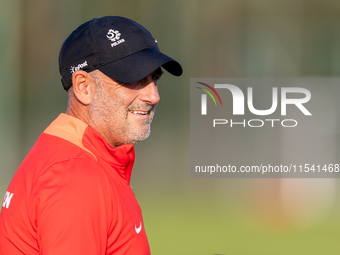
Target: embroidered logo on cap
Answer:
pixel 114 37
pixel 78 67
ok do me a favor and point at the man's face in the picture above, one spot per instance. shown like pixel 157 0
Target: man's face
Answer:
pixel 122 113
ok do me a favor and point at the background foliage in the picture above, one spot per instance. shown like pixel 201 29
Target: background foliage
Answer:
pixel 219 38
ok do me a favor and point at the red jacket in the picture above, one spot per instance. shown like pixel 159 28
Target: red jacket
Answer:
pixel 72 195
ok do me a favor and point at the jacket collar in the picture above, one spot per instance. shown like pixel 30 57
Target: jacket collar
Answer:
pixel 79 133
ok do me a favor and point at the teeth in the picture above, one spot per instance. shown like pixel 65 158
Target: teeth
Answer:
pixel 139 112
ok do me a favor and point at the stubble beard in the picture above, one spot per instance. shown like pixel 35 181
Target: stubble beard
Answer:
pixel 141 131
pixel 117 128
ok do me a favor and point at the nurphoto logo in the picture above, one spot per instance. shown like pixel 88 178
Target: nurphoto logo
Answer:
pixel 264 127
pixel 238 99
pixel 204 97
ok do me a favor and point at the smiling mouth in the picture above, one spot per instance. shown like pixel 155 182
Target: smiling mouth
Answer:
pixel 139 112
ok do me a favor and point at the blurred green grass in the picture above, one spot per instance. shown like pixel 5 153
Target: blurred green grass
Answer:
pixel 181 226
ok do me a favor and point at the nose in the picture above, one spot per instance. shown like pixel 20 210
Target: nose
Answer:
pixel 150 92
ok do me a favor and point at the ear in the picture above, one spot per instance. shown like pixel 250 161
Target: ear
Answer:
pixel 83 86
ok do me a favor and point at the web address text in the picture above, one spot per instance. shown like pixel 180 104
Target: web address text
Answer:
pixel 268 168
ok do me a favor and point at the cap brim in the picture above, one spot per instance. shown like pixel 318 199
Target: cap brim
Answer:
pixel 137 66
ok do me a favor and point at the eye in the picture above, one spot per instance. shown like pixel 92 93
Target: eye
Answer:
pixel 155 77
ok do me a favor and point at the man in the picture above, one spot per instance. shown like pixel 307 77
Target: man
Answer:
pixel 71 194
